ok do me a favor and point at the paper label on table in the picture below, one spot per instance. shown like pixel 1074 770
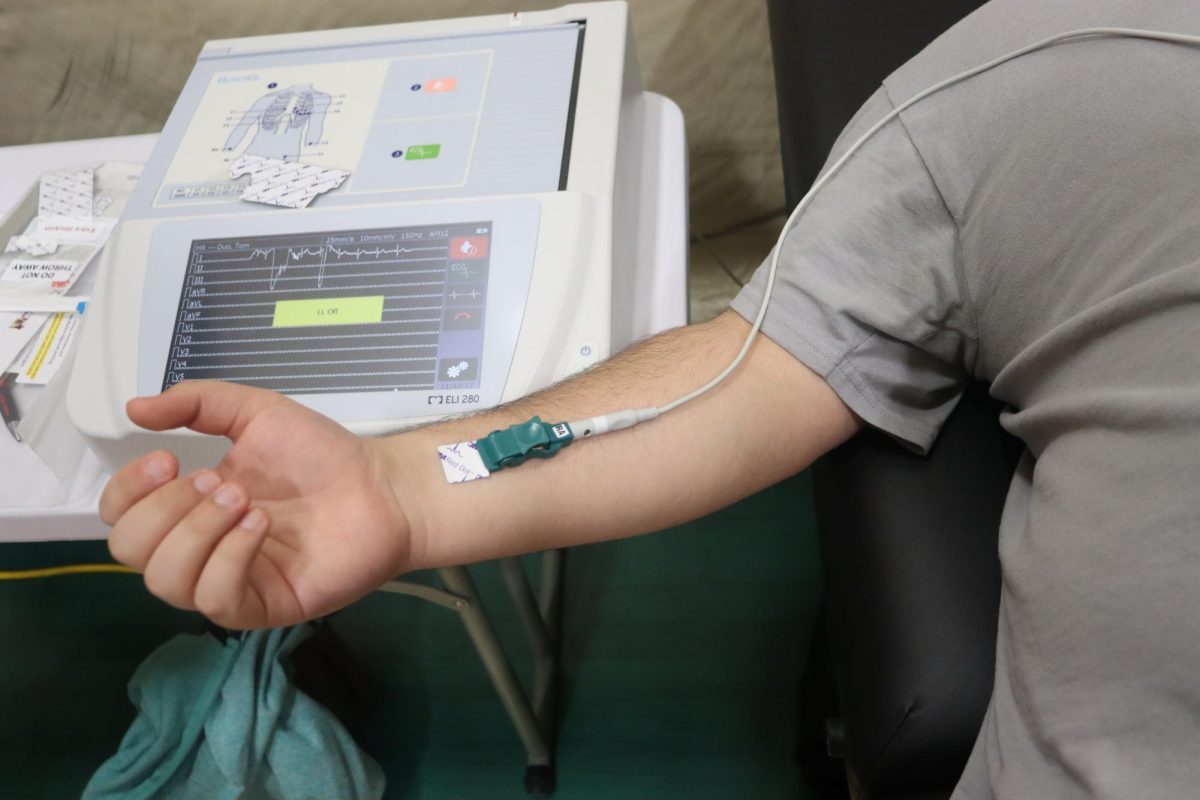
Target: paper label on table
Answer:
pixel 285 183
pixel 66 193
pixel 32 244
pixel 16 330
pixel 75 230
pixel 49 350
pixel 461 462
pixel 39 283
pixel 54 276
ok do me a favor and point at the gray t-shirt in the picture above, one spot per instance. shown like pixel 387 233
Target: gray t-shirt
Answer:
pixel 1038 227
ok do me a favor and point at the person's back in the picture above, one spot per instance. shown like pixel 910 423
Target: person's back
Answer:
pixel 1038 227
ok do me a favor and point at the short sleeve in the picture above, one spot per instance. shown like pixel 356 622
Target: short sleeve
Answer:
pixel 869 292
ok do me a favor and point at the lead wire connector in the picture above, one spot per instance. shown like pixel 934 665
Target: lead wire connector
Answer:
pixel 514 445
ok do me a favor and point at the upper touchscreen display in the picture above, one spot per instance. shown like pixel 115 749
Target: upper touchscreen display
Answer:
pixel 411 119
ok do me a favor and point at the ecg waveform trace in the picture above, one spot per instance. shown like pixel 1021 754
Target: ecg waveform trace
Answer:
pixel 296 256
pixel 253 310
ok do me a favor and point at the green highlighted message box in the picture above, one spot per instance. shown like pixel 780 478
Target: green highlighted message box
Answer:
pixel 416 152
pixel 328 311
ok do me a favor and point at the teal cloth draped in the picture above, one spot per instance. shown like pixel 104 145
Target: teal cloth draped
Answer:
pixel 222 721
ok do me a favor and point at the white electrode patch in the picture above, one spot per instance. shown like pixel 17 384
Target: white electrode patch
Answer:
pixel 31 244
pixel 285 183
pixel 67 193
pixel 461 462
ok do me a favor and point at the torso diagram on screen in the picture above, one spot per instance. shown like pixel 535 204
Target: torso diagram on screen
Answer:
pixel 284 122
pixel 396 124
pixel 312 113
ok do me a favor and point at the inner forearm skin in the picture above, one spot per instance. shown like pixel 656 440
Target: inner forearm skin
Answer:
pixel 769 419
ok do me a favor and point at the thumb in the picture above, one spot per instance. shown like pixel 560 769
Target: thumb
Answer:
pixel 215 407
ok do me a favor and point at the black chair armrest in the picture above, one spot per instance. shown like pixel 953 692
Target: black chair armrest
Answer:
pixel 912 582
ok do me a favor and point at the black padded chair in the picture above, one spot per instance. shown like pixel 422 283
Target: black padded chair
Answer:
pixel 908 543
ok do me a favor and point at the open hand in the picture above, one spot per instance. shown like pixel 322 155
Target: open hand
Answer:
pixel 299 518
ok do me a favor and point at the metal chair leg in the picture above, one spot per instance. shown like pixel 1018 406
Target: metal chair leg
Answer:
pixel 541 620
pixel 537 740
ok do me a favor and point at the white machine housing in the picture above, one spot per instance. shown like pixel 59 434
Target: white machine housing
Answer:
pixel 568 320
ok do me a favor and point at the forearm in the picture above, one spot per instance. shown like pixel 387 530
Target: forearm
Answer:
pixel 768 420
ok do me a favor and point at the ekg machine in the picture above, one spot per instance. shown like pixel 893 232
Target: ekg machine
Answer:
pixel 490 216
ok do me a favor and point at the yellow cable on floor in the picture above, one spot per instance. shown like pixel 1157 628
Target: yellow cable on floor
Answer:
pixel 66 569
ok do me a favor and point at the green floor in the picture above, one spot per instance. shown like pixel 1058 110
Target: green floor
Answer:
pixel 681 654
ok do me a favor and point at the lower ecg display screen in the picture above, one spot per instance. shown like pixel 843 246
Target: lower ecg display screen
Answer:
pixel 379 310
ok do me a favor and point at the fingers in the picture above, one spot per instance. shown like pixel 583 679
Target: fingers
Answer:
pixel 134 481
pixel 139 530
pixel 193 537
pixel 223 593
pixel 176 563
pixel 212 407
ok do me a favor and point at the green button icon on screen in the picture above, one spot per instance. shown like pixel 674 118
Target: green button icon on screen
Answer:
pixel 328 311
pixel 418 152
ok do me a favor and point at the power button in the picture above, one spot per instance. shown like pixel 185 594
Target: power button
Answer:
pixel 583 355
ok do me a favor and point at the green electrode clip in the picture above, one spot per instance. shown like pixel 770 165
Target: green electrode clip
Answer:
pixel 516 443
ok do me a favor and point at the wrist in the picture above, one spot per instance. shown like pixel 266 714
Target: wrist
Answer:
pixel 401 484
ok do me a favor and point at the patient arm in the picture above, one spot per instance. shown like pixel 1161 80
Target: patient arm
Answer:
pixel 309 517
pixel 768 420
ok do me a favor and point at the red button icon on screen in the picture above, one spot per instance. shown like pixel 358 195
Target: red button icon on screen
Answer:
pixel 438 85
pixel 469 247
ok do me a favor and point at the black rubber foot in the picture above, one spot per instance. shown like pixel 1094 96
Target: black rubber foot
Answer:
pixel 539 781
